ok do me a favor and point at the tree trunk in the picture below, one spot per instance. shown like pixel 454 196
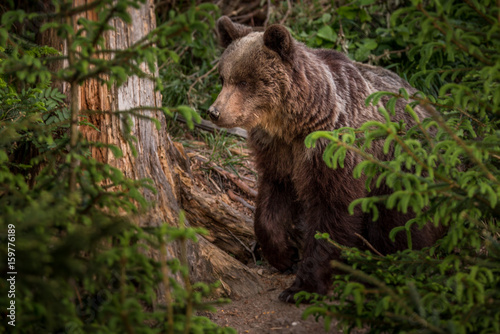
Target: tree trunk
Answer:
pixel 157 159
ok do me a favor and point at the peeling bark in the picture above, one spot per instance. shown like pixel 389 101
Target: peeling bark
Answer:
pixel 166 165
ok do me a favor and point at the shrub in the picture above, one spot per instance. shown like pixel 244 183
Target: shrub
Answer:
pixel 449 177
pixel 78 262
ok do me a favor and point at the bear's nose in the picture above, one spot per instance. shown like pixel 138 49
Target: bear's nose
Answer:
pixel 213 113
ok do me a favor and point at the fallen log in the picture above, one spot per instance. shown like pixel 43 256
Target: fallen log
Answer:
pixel 209 126
pixel 212 213
pixel 215 256
pixel 236 279
pixel 242 185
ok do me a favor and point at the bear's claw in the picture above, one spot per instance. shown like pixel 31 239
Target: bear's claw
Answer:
pixel 287 296
pixel 291 270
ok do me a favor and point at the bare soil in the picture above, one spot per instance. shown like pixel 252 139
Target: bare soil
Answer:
pixel 265 313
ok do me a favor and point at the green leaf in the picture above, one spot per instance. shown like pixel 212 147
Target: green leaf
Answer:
pixel 348 12
pixel 370 44
pixel 189 114
pixel 395 231
pixel 326 17
pixel 327 33
pixel 175 57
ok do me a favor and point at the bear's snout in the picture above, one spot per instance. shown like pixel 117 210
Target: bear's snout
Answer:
pixel 228 110
pixel 214 113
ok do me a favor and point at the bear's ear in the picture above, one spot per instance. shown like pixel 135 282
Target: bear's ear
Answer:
pixel 229 31
pixel 278 39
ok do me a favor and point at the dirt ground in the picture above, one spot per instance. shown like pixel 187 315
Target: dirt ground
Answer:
pixel 264 313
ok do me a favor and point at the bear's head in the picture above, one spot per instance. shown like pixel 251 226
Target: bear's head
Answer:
pixel 255 70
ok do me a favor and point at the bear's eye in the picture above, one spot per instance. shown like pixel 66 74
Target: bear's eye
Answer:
pixel 242 84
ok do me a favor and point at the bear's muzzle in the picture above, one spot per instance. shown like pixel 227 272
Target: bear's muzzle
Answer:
pixel 214 113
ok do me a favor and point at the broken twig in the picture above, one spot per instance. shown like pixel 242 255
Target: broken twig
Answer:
pixel 245 246
pixel 237 198
pixel 368 244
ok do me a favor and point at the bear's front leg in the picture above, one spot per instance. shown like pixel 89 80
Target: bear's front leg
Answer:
pixel 315 271
pixel 277 220
pixel 326 195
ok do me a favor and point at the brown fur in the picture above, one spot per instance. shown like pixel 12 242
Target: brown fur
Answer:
pixel 281 91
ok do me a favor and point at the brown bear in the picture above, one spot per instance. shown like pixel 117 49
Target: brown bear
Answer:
pixel 281 91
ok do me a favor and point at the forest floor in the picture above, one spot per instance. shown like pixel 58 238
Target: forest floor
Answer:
pixel 263 312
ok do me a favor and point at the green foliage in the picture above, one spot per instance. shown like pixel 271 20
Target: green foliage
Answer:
pixel 446 169
pixel 357 27
pixel 189 77
pixel 362 29
pixel 82 265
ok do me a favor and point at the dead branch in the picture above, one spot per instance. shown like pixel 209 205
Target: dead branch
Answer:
pixel 245 246
pixel 368 244
pixel 242 185
pixel 209 126
pixel 288 11
pixel 241 8
pixel 251 11
pixel 199 80
pixel 386 54
pixel 237 198
pixel 239 151
pixel 268 13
